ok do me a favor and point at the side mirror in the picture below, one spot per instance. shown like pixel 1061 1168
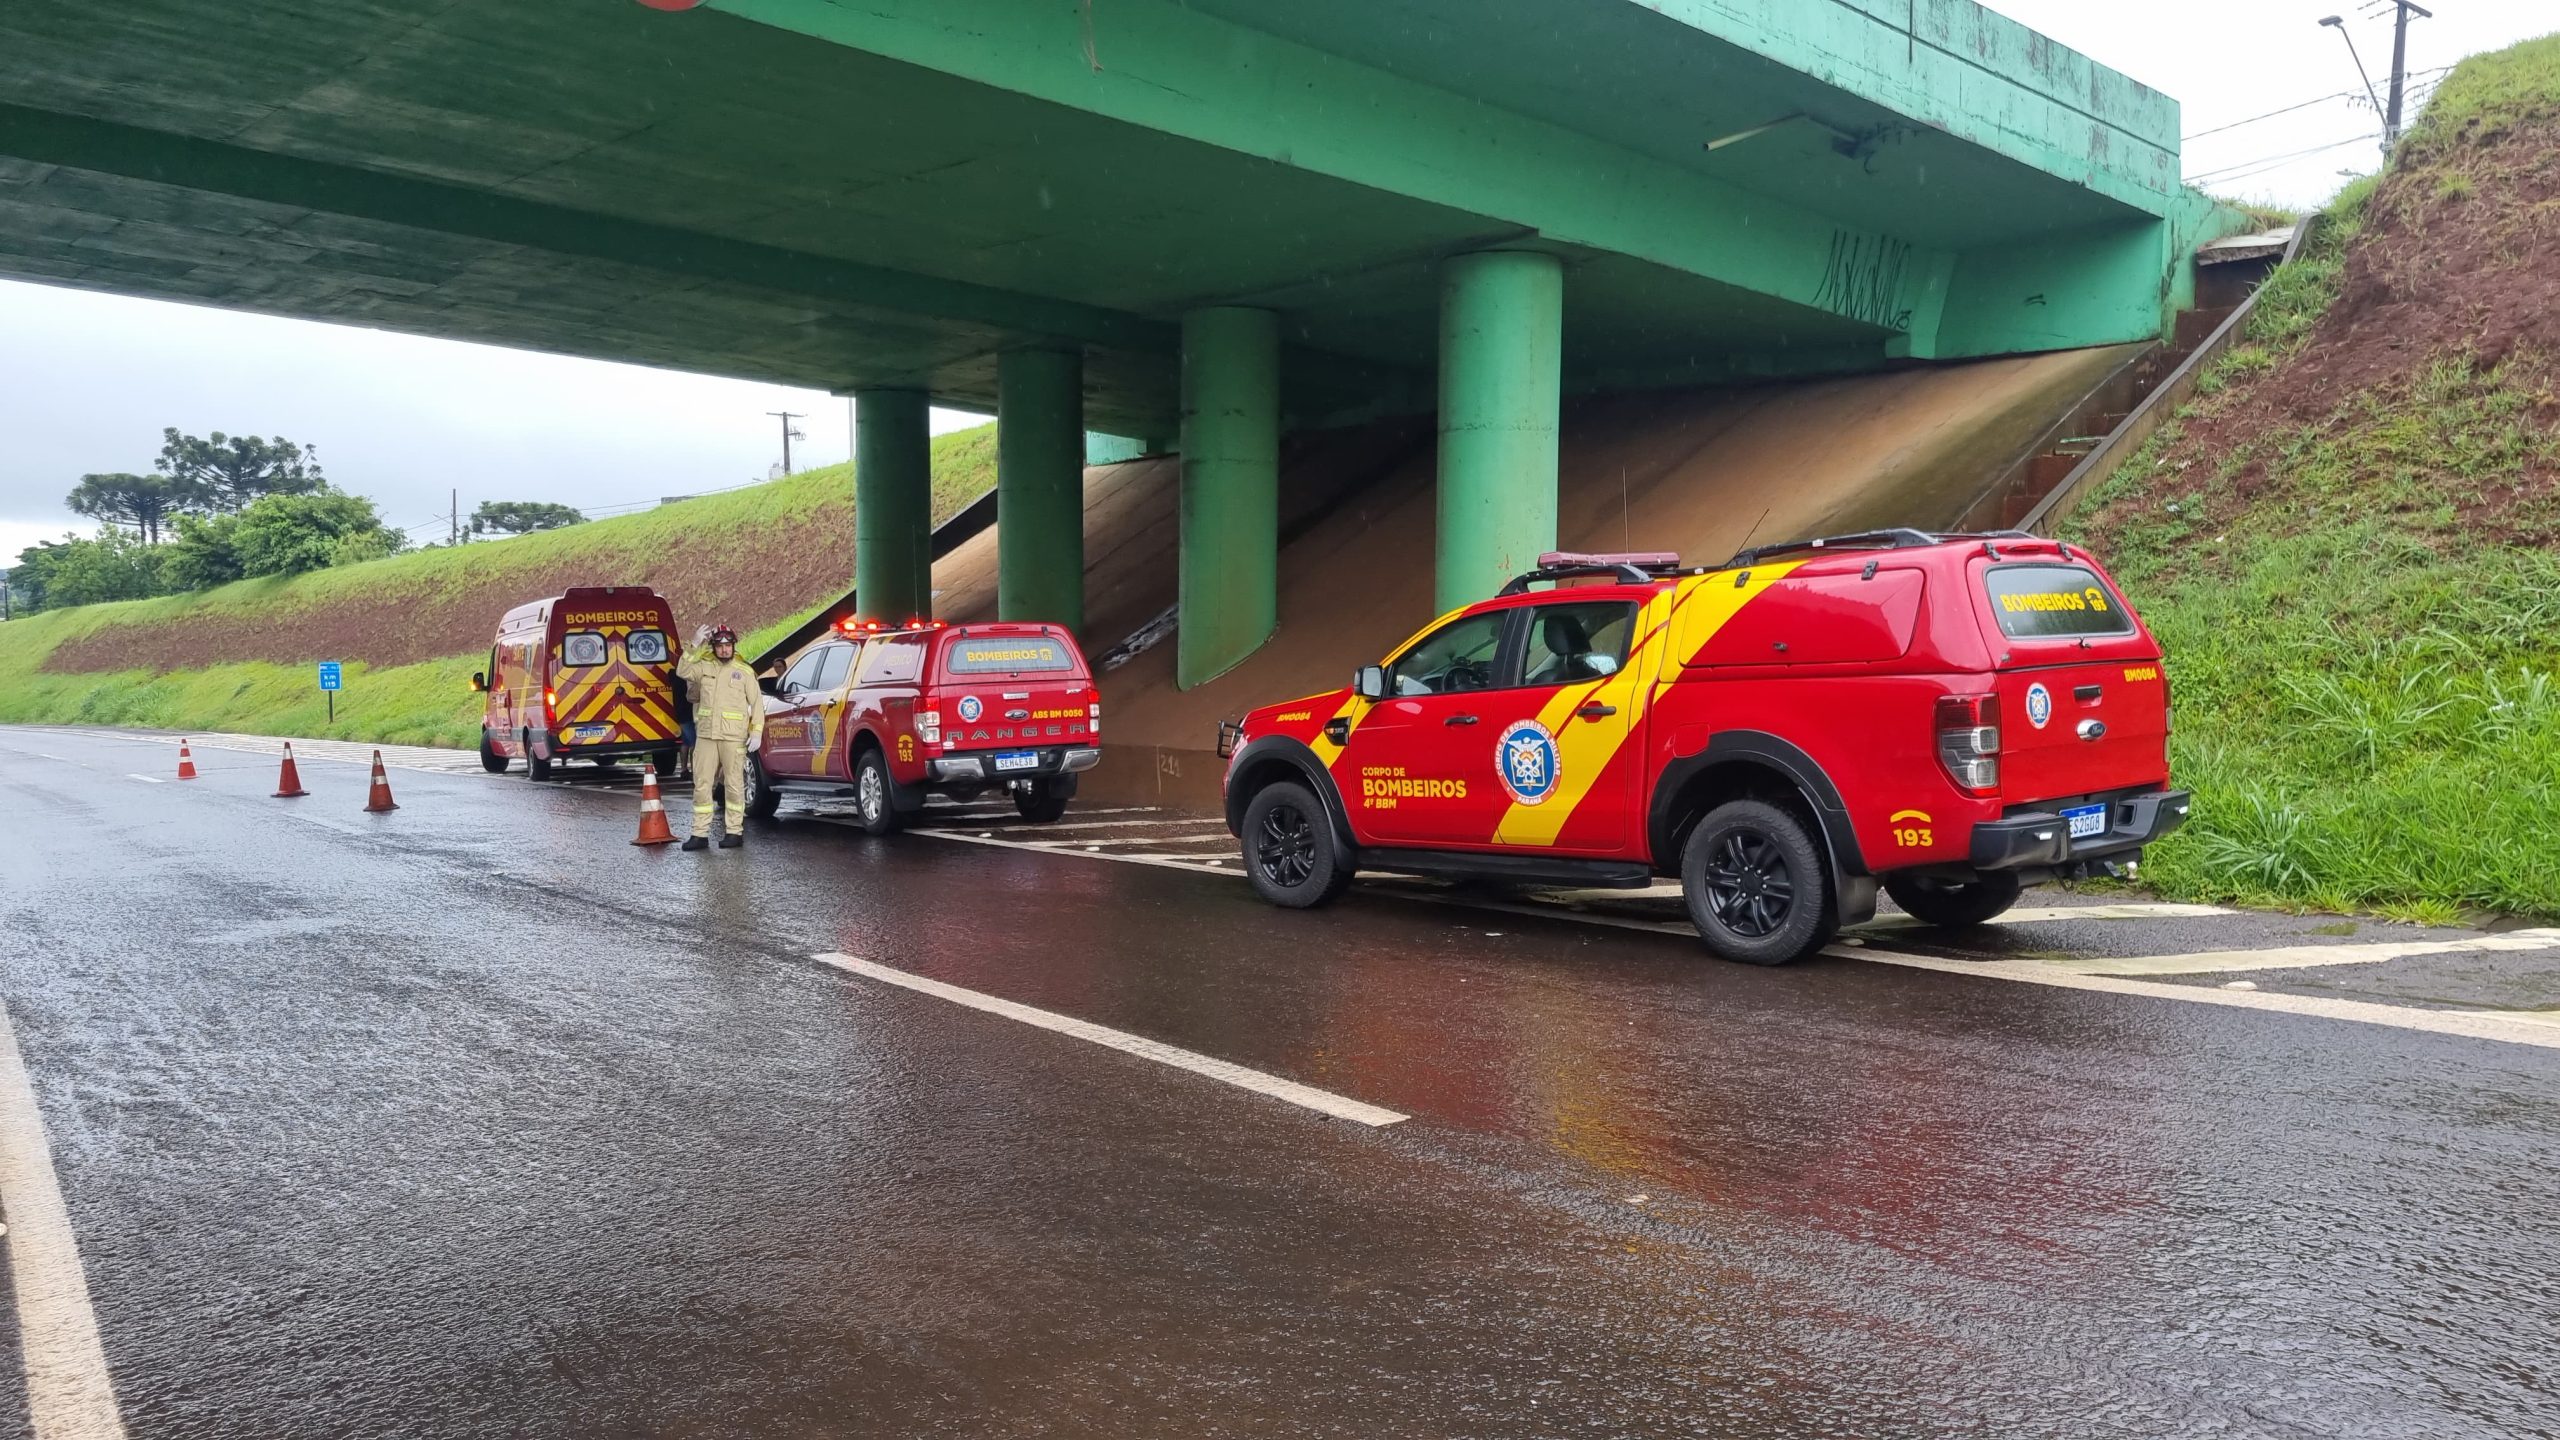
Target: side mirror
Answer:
pixel 1370 683
pixel 479 683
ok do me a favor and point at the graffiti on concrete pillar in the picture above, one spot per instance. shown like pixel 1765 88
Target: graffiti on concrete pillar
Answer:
pixel 1863 279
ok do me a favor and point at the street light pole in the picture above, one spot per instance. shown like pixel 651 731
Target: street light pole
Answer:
pixel 2339 24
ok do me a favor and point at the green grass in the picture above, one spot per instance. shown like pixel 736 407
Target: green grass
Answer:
pixel 429 702
pixel 2364 642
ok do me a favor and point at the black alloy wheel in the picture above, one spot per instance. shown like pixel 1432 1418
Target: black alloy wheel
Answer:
pixel 762 799
pixel 1289 849
pixel 1757 885
pixel 1748 885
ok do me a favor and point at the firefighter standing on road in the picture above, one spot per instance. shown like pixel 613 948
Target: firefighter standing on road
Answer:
pixel 728 720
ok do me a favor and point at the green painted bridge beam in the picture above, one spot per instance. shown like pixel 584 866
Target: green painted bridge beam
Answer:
pixel 131 152
pixel 892 505
pixel 1040 487
pixel 1228 581
pixel 1176 69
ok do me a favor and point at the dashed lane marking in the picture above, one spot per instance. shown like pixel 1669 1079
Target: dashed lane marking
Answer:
pixel 70 1395
pixel 1341 1107
pixel 1010 823
pixel 145 779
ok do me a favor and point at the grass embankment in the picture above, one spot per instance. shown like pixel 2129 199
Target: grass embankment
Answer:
pixel 411 629
pixel 2346 540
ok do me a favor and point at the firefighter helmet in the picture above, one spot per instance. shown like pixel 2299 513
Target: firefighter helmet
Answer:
pixel 721 633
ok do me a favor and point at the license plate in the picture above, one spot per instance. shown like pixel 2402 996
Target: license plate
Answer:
pixel 1019 760
pixel 589 734
pixel 2086 820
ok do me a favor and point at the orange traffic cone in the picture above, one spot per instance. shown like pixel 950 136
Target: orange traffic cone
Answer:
pixel 380 799
pixel 289 781
pixel 186 762
pixel 653 815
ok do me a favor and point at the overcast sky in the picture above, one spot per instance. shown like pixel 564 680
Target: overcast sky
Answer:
pixel 87 381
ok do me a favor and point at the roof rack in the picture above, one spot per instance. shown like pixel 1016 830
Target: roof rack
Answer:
pixel 1632 569
pixel 1897 538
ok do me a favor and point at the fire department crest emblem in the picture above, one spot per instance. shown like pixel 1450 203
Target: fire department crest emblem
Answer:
pixel 1527 761
pixel 970 709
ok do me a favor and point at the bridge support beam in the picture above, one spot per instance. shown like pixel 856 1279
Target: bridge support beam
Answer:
pixel 1501 370
pixel 892 506
pixel 1040 487
pixel 1229 581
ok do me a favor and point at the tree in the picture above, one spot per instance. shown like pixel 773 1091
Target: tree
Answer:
pixel 288 534
pixel 521 517
pixel 235 471
pixel 206 553
pixel 56 574
pixel 144 502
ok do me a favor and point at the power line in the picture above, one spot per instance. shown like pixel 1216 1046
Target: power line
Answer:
pixel 2270 161
pixel 2270 115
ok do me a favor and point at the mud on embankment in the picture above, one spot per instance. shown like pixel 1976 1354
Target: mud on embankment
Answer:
pixel 1693 471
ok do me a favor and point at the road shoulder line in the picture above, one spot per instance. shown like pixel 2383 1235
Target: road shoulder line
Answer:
pixel 70 1395
pixel 1341 1107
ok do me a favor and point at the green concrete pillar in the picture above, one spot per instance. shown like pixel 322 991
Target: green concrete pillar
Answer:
pixel 1230 570
pixel 892 505
pixel 1040 487
pixel 1501 363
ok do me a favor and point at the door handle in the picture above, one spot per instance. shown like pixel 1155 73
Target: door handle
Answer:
pixel 1593 710
pixel 1459 720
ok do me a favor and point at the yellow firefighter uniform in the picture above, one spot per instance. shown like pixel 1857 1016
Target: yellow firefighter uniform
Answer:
pixel 728 720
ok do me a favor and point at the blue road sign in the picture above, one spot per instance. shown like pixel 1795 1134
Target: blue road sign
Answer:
pixel 329 675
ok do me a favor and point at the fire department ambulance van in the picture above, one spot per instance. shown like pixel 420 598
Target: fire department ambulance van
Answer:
pixel 1951 717
pixel 890 715
pixel 586 675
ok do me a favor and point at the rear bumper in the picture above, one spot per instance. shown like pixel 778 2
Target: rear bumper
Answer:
pixel 564 744
pixel 977 767
pixel 2040 839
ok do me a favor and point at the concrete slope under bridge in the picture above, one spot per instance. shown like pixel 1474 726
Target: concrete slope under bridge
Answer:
pixel 1693 471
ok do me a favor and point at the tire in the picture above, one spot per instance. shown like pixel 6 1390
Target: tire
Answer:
pixel 763 801
pixel 875 800
pixel 1950 905
pixel 1757 885
pixel 536 765
pixel 1040 803
pixel 666 761
pixel 490 759
pixel 1290 852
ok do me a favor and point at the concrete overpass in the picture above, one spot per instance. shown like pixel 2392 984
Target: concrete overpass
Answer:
pixel 1199 222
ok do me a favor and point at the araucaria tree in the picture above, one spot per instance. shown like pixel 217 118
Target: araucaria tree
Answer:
pixel 142 503
pixel 235 471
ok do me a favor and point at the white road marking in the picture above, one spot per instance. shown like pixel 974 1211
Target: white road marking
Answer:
pixel 2041 914
pixel 1341 1107
pixel 2470 1024
pixel 1029 826
pixel 145 779
pixel 70 1395
pixel 2305 957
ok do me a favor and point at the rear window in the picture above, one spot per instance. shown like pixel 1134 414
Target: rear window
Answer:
pixel 1009 655
pixel 2037 602
pixel 645 647
pixel 582 647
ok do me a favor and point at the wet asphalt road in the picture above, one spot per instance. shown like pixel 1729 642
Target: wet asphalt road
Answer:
pixel 474 1119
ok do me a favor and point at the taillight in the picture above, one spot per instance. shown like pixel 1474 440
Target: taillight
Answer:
pixel 929 726
pixel 550 707
pixel 1969 741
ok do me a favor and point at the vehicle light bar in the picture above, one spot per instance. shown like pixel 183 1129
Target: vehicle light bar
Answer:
pixel 1641 559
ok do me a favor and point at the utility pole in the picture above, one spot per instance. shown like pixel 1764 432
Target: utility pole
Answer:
pixel 788 434
pixel 2400 67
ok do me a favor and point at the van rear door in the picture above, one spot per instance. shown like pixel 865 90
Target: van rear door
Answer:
pixel 2083 707
pixel 1013 688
